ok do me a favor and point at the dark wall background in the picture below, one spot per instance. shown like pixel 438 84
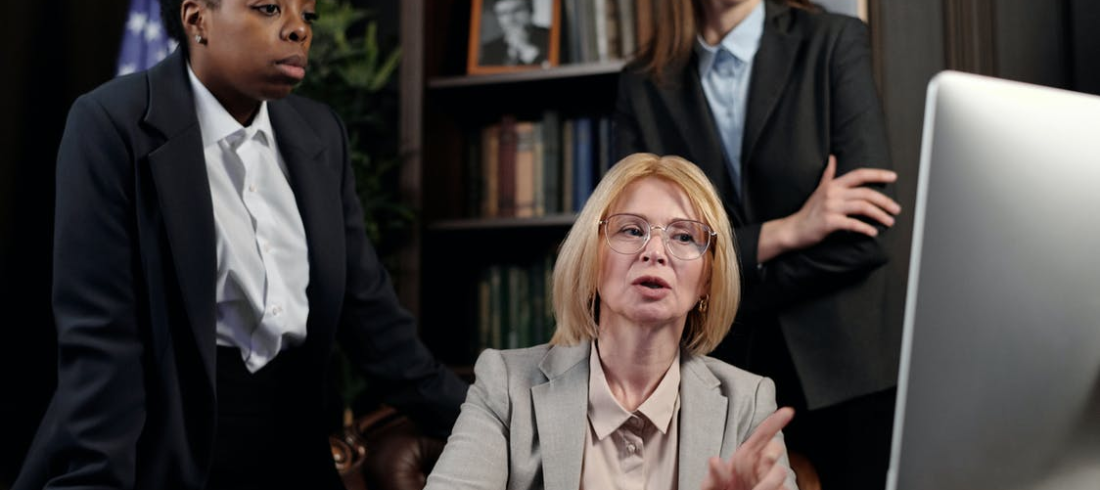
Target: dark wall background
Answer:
pixel 53 52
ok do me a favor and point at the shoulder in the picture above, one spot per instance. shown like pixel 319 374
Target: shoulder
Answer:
pixel 744 389
pixel 316 118
pixel 635 78
pixel 521 369
pixel 730 375
pixel 122 99
pixel 510 363
pixel 314 112
pixel 824 24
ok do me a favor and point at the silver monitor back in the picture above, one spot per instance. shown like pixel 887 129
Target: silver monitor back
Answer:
pixel 999 384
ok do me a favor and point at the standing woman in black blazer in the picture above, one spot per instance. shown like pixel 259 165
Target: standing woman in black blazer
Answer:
pixel 209 250
pixel 775 102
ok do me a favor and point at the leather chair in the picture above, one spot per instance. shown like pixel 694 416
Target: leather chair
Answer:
pixel 384 450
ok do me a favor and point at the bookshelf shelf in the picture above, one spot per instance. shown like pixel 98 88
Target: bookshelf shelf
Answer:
pixel 497 166
pixel 555 221
pixel 609 68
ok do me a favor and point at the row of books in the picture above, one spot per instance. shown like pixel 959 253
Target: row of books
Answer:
pixel 603 30
pixel 514 308
pixel 535 168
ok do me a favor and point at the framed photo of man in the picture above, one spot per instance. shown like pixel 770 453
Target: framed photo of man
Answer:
pixel 512 35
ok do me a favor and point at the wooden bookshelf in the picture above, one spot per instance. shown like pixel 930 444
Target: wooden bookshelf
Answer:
pixel 598 69
pixel 449 120
pixel 563 221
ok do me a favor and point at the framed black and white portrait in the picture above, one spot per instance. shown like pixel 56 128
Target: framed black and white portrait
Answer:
pixel 510 35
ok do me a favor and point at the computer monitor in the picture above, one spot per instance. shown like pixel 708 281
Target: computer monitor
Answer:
pixel 999 384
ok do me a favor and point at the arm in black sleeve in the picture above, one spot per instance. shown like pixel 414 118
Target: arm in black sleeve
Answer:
pixel 858 139
pixel 99 407
pixel 381 337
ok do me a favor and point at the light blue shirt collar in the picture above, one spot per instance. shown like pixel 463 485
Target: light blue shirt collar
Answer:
pixel 742 42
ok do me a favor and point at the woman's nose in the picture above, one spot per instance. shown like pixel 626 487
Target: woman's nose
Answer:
pixel 655 248
pixel 297 31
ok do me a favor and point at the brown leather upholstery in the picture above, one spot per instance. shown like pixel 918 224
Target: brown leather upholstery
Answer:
pixel 383 450
pixel 804 473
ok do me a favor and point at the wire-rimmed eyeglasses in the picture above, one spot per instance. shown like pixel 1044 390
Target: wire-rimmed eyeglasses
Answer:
pixel 629 233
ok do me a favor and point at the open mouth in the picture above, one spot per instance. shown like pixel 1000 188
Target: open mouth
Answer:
pixel 651 282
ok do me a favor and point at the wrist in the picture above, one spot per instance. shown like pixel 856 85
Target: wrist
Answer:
pixel 774 235
pixel 786 238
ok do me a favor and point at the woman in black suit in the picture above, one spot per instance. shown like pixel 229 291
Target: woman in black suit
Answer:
pixel 209 250
pixel 775 102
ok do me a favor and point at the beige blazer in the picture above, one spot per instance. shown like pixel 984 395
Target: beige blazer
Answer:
pixel 523 423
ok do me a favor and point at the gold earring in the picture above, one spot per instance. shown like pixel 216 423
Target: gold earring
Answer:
pixel 702 306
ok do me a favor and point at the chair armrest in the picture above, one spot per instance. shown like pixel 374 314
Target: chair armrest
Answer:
pixel 384 450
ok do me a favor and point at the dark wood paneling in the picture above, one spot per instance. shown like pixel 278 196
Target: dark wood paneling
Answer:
pixel 1032 42
pixel 970 36
pixel 1084 21
pixel 913 50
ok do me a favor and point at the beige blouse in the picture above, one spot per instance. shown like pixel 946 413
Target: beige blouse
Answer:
pixel 627 450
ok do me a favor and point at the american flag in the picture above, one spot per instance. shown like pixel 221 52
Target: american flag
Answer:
pixel 144 43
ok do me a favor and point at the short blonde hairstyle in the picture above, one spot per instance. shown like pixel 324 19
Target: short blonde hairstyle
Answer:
pixel 577 271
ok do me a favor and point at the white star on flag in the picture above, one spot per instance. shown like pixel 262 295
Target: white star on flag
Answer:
pixel 143 42
pixel 136 23
pixel 152 31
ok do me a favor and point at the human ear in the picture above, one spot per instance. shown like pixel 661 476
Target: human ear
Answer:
pixel 193 15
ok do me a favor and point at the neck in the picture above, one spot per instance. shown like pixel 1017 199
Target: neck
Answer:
pixel 636 358
pixel 719 18
pixel 242 107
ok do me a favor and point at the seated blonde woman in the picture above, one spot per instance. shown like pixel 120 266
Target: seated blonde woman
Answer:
pixel 646 285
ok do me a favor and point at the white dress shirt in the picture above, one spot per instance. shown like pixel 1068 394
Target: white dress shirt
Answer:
pixel 263 261
pixel 725 71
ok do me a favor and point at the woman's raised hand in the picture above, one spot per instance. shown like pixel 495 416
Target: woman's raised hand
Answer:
pixel 755 464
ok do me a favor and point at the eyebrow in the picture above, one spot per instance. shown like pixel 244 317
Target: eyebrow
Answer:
pixel 647 218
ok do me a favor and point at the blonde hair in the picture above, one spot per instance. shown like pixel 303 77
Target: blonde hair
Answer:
pixel 576 273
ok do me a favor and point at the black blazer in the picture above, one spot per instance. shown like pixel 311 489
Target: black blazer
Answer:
pixel 134 301
pixel 811 94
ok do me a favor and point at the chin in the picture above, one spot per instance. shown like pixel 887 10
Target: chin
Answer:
pixel 278 93
pixel 651 316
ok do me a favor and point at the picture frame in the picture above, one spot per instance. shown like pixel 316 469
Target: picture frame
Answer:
pixel 513 35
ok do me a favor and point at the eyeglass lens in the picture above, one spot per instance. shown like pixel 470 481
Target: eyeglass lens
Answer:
pixel 628 234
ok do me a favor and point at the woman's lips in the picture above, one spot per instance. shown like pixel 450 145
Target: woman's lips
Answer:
pixel 651 287
pixel 293 67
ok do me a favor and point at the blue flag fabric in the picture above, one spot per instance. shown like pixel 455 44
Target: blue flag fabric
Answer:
pixel 144 43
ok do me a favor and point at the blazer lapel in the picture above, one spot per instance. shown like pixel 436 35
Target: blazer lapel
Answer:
pixel 313 183
pixel 687 103
pixel 179 173
pixel 770 72
pixel 702 415
pixel 560 404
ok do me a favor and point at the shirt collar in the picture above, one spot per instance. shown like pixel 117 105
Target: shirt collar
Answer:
pixel 607 415
pixel 216 124
pixel 742 42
